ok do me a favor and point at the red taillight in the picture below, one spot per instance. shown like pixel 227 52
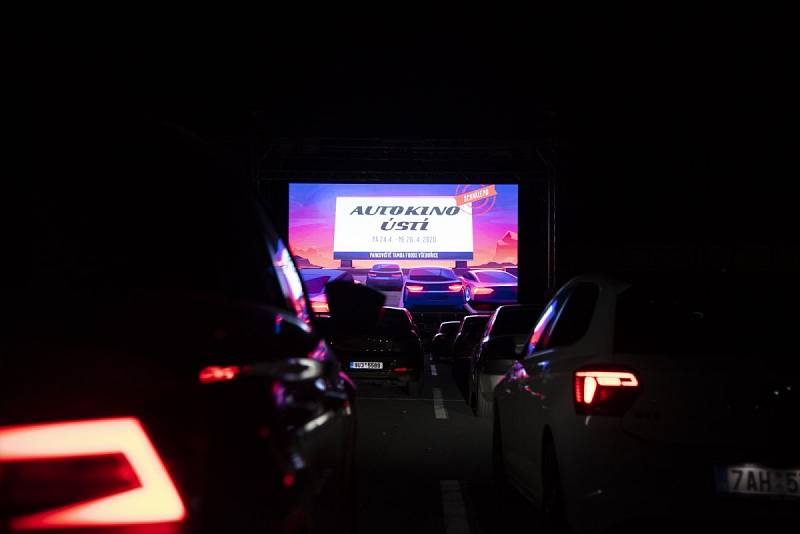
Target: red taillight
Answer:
pixel 414 289
pixel 319 307
pixel 484 290
pixel 216 373
pixel 455 287
pixel 604 392
pixel 154 498
pixel 372 274
pixel 401 369
pixel 397 275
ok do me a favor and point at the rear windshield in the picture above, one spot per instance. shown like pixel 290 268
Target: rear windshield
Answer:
pixel 515 321
pixel 473 326
pixel 712 321
pixel 395 321
pixel 449 328
pixel 432 275
pixel 386 267
pixel 495 277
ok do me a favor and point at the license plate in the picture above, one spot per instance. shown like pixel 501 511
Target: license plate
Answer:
pixel 366 365
pixel 755 480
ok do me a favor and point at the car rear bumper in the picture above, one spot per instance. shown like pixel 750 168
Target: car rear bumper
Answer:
pixel 434 301
pixel 611 478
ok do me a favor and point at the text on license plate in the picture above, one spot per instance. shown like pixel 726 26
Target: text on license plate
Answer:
pixel 366 365
pixel 755 480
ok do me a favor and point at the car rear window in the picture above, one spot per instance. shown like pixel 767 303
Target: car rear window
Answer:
pixel 474 325
pixel 515 321
pixel 497 277
pixel 394 322
pixel 386 267
pixel 432 275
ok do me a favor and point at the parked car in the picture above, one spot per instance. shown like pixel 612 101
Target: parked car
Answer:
pixel 433 288
pixel 386 276
pixel 669 399
pixel 315 281
pixel 442 343
pixel 486 289
pixel 505 336
pixel 160 370
pixel 390 352
pixel 469 333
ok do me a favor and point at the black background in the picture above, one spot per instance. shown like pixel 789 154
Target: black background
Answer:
pixel 673 137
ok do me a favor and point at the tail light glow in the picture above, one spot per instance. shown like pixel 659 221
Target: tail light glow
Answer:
pixel 318 306
pixel 455 287
pixel 604 392
pixel 397 275
pixel 483 291
pixel 414 289
pixel 401 369
pixel 216 373
pixel 372 274
pixel 156 500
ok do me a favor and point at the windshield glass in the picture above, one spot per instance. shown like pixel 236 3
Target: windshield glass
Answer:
pixel 496 277
pixel 432 275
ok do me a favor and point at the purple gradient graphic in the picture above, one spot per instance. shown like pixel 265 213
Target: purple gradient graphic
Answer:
pixel 312 210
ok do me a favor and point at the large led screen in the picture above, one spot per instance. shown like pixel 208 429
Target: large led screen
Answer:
pixel 375 232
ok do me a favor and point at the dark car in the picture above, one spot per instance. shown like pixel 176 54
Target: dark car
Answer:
pixel 315 281
pixel 505 335
pixel 389 352
pixel 159 368
pixel 386 276
pixel 469 334
pixel 442 342
pixel 486 289
pixel 433 288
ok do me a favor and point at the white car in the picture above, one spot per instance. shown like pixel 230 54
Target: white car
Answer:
pixel 636 401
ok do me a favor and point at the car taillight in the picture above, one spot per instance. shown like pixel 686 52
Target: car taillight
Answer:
pixel 401 369
pixel 414 289
pixel 319 307
pixel 397 275
pixel 484 290
pixel 216 373
pixel 455 287
pixel 101 472
pixel 372 274
pixel 604 392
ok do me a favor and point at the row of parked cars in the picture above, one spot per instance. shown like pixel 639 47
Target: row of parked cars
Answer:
pixel 625 399
pixel 439 288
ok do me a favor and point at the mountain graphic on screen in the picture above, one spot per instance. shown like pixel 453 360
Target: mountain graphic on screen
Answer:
pixel 506 249
pixel 302 263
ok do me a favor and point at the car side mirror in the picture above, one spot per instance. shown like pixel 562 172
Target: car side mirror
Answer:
pixel 353 307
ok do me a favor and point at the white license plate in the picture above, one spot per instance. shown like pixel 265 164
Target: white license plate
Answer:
pixel 366 365
pixel 755 480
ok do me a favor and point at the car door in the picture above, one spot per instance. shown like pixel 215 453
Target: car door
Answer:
pixel 509 393
pixel 545 393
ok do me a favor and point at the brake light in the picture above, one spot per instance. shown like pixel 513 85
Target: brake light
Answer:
pixel 483 291
pixel 455 287
pixel 397 275
pixel 414 289
pixel 604 392
pixel 216 373
pixel 401 369
pixel 152 499
pixel 372 274
pixel 319 306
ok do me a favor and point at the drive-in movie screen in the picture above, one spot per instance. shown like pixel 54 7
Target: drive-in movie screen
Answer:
pixel 437 247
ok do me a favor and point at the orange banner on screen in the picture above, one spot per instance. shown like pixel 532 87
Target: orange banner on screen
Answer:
pixel 475 194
